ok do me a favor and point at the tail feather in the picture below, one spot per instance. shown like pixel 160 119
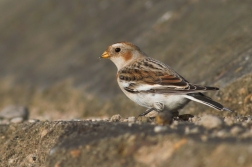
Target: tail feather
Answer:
pixel 224 108
pixel 207 101
pixel 199 87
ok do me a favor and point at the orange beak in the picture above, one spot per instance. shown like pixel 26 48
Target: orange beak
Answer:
pixel 105 55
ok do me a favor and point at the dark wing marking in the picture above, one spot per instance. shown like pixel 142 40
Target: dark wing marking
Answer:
pixel 149 75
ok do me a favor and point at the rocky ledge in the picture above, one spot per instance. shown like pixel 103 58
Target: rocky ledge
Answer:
pixel 201 141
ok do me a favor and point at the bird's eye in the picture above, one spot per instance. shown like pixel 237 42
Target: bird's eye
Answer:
pixel 117 50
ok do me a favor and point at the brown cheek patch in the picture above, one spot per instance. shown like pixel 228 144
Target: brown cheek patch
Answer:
pixel 127 56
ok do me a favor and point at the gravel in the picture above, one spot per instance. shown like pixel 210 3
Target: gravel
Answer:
pixel 115 118
pixel 210 121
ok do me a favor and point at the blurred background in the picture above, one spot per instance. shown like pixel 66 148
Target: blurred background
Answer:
pixel 49 52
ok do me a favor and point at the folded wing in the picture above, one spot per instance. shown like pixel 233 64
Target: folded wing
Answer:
pixel 149 75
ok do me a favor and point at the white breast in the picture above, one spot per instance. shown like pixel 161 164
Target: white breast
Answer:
pixel 148 100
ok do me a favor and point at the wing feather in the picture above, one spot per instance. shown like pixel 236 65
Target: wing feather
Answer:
pixel 149 75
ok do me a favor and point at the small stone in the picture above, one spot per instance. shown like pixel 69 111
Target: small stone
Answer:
pixel 194 130
pixel 248 98
pixel 58 164
pixel 235 130
pixel 131 139
pixel 174 124
pixel 95 119
pixel 247 134
pixel 75 153
pixel 13 111
pixel 43 133
pixel 31 158
pixel 106 119
pixel 115 118
pixel 10 161
pixel 17 120
pixel 242 119
pixel 249 119
pixel 245 124
pixel 242 91
pixel 210 121
pixel 158 129
pixel 75 119
pixel 33 120
pixel 222 134
pixel 53 151
pixel 191 131
pixel 229 120
pixel 125 120
pixel 195 119
pixel 204 138
pixel 132 119
pixel 187 130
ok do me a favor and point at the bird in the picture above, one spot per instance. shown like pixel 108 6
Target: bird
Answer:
pixel 153 84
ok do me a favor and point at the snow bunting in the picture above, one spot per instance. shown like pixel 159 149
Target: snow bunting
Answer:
pixel 153 84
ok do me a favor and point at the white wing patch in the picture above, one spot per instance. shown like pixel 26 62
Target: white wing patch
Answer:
pixel 125 84
pixel 146 87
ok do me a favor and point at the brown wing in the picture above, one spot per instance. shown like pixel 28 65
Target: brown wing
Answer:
pixel 150 75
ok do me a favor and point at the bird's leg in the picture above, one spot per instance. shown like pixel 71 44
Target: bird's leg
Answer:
pixel 151 112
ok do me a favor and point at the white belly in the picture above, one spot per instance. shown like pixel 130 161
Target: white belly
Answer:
pixel 148 100
pixel 170 102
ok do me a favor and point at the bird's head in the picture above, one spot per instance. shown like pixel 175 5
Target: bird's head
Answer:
pixel 122 54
